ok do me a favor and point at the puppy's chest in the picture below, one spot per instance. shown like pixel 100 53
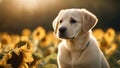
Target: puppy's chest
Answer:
pixel 75 57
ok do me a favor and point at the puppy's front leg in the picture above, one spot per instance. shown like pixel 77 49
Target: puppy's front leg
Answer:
pixel 63 57
pixel 62 62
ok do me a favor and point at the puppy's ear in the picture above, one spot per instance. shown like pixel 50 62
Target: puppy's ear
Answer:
pixel 56 22
pixel 89 20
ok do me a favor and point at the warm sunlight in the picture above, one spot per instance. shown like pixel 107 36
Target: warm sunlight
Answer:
pixel 31 5
pixel 0 1
pixel 27 4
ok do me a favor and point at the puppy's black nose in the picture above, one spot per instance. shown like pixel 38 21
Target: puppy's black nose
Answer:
pixel 62 30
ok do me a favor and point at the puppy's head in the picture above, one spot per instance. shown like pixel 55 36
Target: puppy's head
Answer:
pixel 70 22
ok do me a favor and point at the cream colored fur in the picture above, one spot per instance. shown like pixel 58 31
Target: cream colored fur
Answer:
pixel 74 50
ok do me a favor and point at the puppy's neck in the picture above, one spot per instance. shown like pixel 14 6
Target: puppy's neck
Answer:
pixel 78 43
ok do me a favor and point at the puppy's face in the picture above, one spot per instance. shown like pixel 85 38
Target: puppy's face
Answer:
pixel 70 22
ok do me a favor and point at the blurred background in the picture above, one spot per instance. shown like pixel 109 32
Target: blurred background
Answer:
pixel 15 15
pixel 26 33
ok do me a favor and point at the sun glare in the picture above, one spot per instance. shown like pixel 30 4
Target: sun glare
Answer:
pixel 33 5
pixel 0 1
pixel 27 4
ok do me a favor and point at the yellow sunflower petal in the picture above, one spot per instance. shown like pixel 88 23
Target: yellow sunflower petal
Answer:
pixel 98 33
pixel 39 33
pixel 26 32
pixel 109 35
pixel 111 50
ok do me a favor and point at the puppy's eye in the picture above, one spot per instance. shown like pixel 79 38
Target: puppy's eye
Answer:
pixel 72 20
pixel 61 21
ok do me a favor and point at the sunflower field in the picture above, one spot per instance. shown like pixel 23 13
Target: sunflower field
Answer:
pixel 38 48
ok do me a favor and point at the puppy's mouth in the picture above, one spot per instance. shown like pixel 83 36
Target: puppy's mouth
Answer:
pixel 64 36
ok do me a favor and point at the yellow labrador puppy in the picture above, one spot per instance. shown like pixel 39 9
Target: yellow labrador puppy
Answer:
pixel 78 49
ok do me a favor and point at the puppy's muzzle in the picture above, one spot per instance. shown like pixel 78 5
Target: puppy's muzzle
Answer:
pixel 62 31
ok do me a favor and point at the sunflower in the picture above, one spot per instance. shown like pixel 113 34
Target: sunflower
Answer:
pixel 54 40
pixel 24 38
pixel 3 62
pixel 103 45
pixel 19 57
pixel 36 61
pixel 5 38
pixel 98 33
pixel 5 41
pixel 14 40
pixel 39 33
pixel 109 35
pixel 47 40
pixel 26 50
pixel 26 32
pixel 118 37
pixel 111 49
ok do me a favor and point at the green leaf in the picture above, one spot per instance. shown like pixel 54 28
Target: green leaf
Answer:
pixel 52 56
pixel 50 66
